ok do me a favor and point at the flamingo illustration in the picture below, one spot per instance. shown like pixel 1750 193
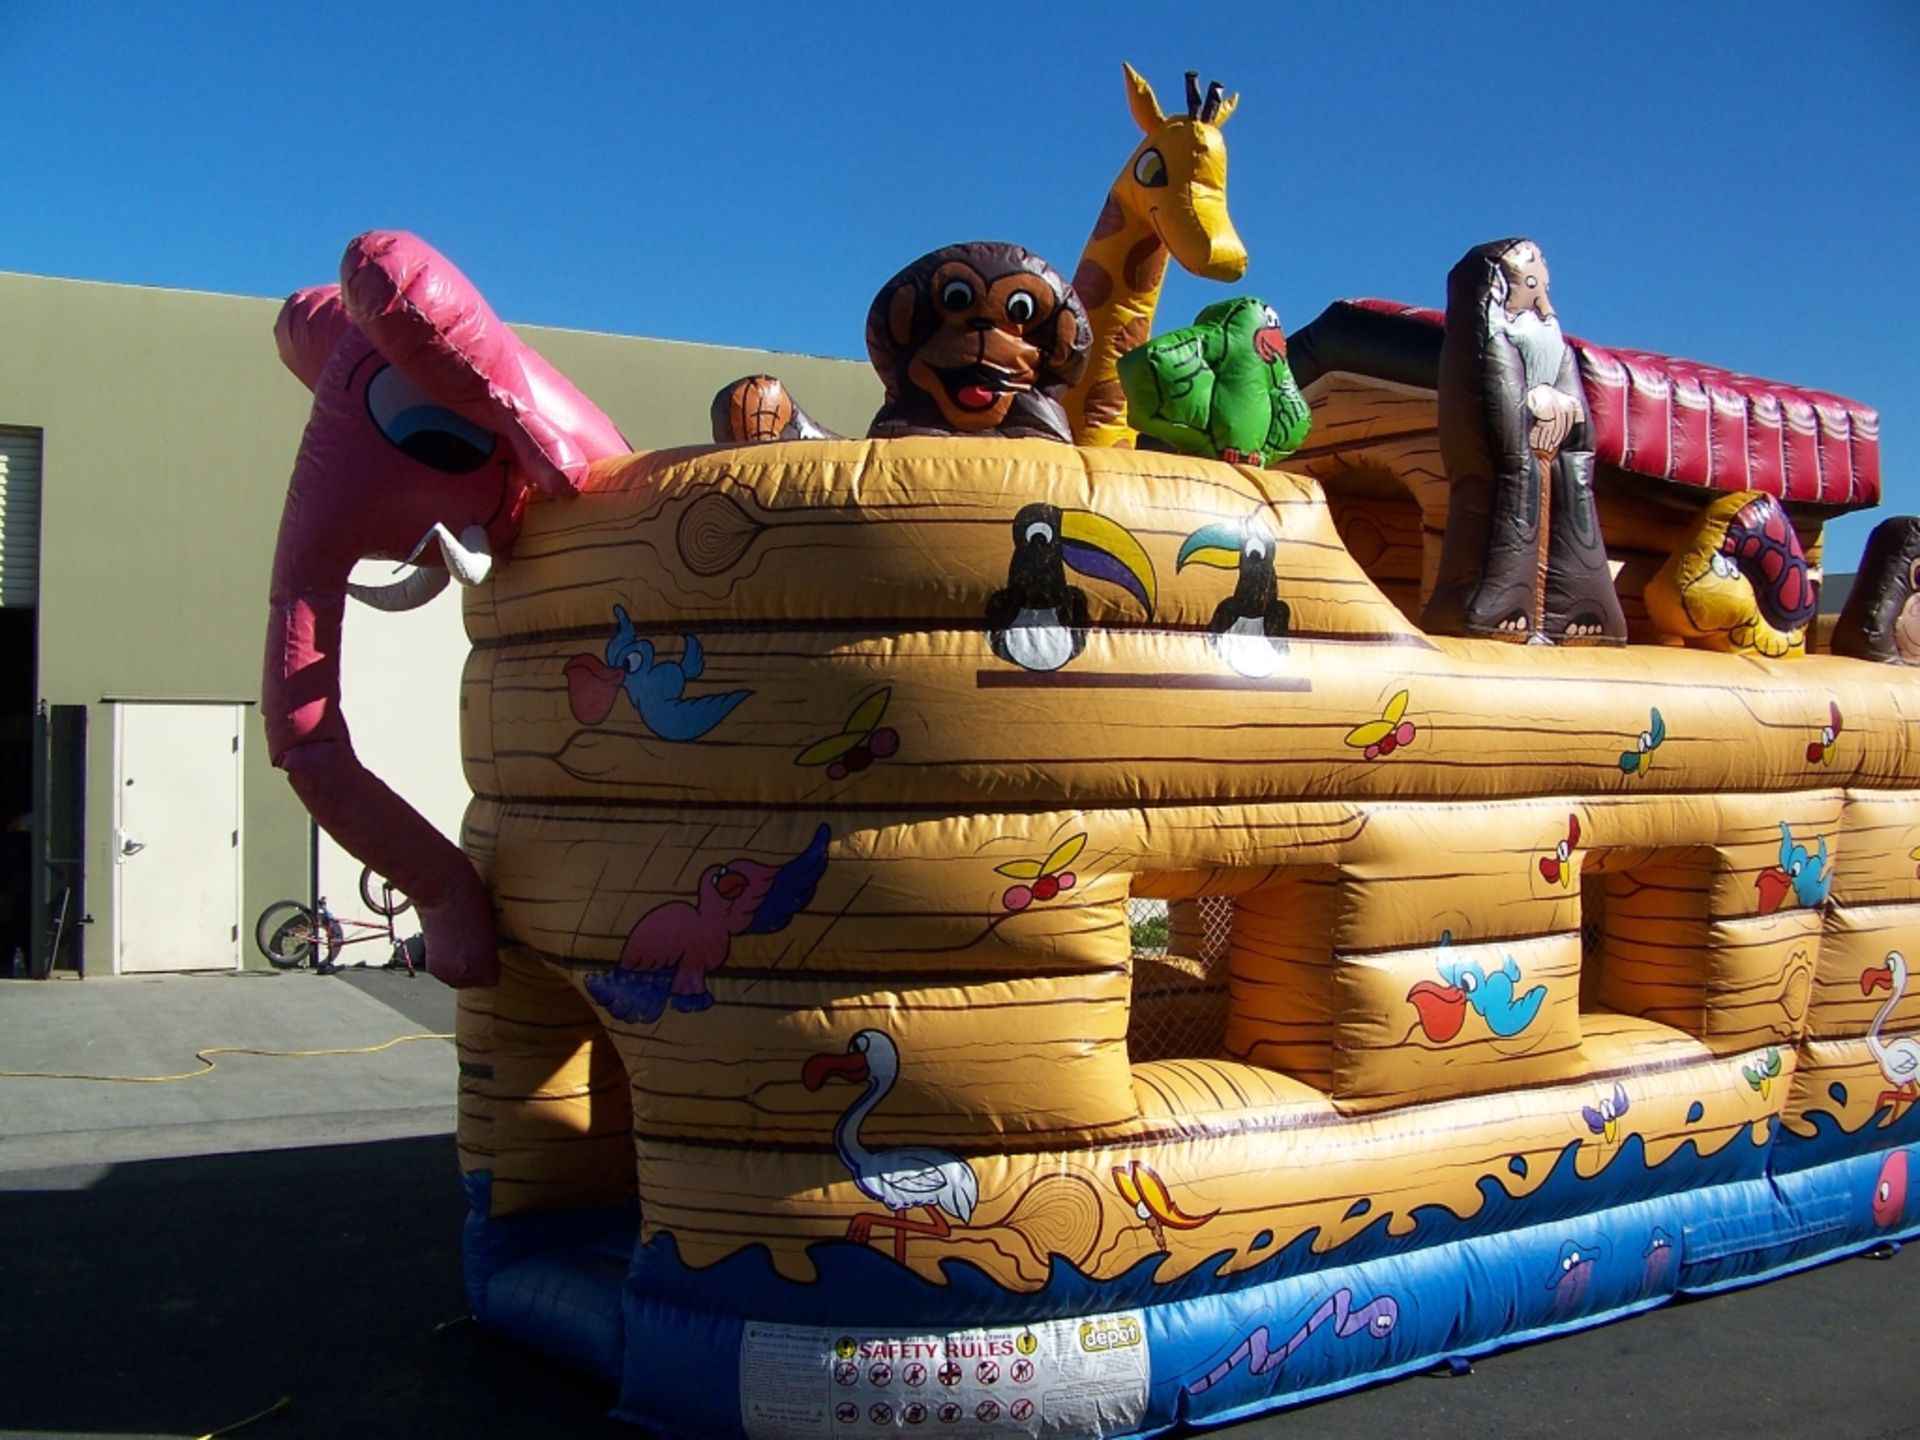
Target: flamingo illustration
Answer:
pixel 1899 1059
pixel 908 1177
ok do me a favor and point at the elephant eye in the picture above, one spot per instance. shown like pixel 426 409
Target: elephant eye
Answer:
pixel 422 430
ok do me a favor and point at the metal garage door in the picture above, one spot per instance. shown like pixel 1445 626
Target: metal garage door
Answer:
pixel 19 516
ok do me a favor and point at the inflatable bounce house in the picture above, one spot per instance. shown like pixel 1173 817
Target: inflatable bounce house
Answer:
pixel 1532 899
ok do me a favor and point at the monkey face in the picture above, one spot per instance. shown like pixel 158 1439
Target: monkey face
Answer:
pixel 976 339
pixel 980 358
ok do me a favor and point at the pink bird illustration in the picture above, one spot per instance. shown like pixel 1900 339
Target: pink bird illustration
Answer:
pixel 676 945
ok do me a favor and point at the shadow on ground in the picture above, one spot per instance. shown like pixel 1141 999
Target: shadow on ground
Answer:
pixel 174 1297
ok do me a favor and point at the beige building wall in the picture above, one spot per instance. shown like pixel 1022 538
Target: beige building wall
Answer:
pixel 170 429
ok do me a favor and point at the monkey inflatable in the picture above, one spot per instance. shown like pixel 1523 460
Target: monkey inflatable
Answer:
pixel 977 339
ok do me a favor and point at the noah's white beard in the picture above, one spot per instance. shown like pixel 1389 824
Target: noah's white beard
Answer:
pixel 1543 350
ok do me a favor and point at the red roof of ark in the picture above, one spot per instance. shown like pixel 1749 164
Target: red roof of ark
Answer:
pixel 1692 423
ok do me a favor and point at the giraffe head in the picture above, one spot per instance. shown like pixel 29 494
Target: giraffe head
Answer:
pixel 1176 179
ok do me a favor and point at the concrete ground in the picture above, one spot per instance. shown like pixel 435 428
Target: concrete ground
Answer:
pixel 177 1257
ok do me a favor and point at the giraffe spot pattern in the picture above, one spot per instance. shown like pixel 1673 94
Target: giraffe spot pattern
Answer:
pixel 1106 401
pixel 1146 264
pixel 1092 284
pixel 1112 219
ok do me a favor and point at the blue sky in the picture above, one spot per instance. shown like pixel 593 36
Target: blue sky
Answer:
pixel 1736 183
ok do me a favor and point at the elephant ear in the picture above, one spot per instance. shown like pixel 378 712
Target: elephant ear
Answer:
pixel 424 316
pixel 310 325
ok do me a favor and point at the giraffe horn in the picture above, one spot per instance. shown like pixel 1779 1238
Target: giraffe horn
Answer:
pixel 1216 92
pixel 1193 94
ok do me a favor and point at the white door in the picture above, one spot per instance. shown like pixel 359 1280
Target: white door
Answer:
pixel 400 691
pixel 176 837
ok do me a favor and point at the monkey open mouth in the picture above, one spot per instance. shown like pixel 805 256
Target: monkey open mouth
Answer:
pixel 979 386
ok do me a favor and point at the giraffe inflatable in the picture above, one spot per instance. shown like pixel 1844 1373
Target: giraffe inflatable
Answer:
pixel 1170 196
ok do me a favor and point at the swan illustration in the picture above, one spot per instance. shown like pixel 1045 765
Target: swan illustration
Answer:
pixel 908 1177
pixel 1899 1059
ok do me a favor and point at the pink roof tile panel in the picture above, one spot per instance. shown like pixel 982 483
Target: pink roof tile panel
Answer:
pixel 1691 423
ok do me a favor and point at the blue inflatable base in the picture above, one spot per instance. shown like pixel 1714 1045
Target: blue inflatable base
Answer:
pixel 1221 1349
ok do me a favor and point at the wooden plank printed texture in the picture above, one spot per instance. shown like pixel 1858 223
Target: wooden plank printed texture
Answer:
pixel 828 803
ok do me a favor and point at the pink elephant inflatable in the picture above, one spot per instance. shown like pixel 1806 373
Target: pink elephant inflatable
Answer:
pixel 432 425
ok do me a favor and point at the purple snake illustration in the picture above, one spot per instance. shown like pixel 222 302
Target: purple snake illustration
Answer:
pixel 1377 1318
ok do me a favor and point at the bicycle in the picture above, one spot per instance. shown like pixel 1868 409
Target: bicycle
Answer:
pixel 291 934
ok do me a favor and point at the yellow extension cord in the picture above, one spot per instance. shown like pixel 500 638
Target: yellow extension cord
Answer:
pixel 210 1065
pixel 285 1402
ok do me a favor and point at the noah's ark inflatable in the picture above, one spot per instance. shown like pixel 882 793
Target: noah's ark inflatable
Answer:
pixel 969 931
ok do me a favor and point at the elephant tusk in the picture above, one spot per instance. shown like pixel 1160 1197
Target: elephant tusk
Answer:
pixel 408 594
pixel 469 559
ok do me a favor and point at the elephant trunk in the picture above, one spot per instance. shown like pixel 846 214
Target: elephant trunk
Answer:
pixel 380 829
pixel 307 737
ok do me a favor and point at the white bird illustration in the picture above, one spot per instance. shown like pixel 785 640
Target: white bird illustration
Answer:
pixel 1899 1059
pixel 905 1178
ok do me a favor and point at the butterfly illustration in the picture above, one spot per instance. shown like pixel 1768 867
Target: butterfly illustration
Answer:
pixel 860 741
pixel 1042 879
pixel 1380 738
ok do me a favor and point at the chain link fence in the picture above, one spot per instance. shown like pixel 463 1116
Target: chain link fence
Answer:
pixel 1179 977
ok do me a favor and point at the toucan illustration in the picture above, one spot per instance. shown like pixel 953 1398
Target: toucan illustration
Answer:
pixel 1039 621
pixel 1249 626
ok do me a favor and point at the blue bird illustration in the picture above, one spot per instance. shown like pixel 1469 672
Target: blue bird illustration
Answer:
pixel 656 687
pixel 1442 1008
pixel 1807 875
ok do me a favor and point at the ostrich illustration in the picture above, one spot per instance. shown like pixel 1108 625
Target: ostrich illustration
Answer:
pixel 1899 1059
pixel 905 1178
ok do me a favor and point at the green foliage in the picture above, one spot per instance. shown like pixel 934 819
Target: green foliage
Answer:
pixel 1150 932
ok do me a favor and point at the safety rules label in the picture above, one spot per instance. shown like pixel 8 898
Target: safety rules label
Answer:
pixel 1060 1377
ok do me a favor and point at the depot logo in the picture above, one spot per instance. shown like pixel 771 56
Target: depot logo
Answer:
pixel 1117 1332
